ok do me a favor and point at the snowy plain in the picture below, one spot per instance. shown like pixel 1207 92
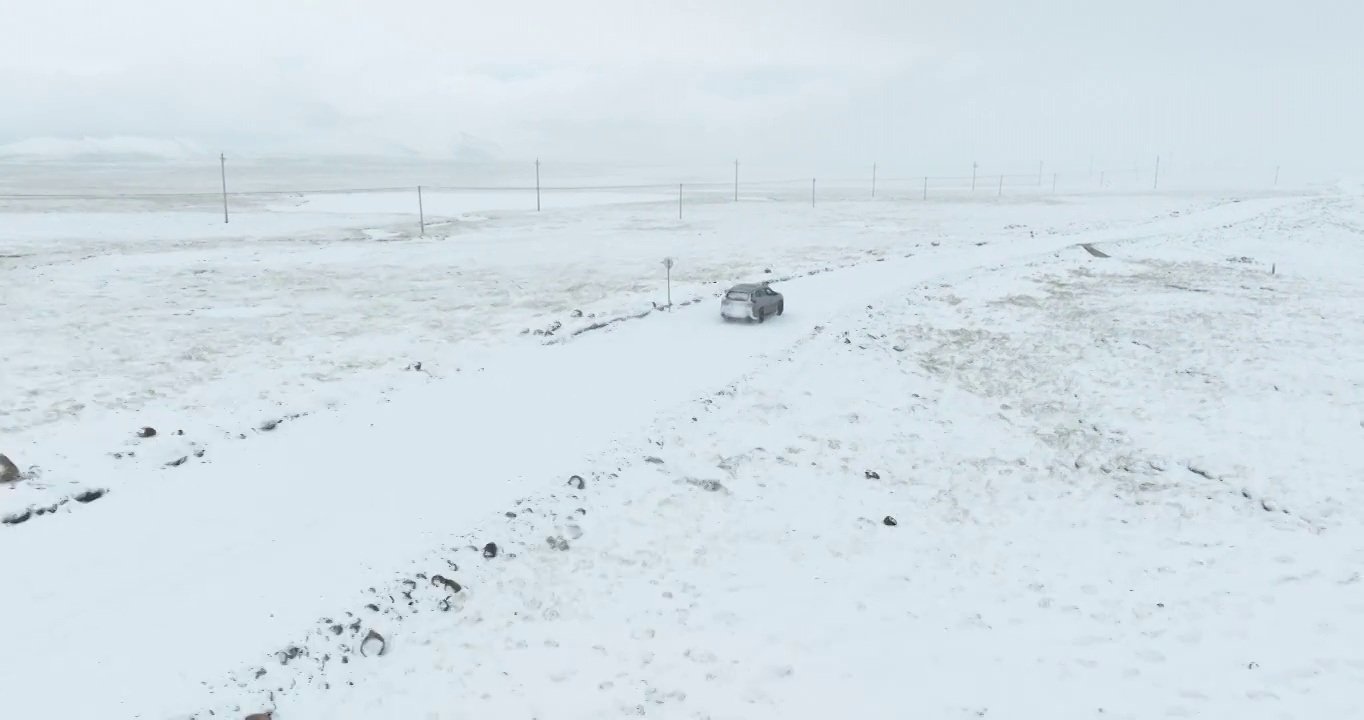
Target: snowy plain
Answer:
pixel 1122 485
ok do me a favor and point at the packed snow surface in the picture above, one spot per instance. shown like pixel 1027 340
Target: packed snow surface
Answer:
pixel 973 470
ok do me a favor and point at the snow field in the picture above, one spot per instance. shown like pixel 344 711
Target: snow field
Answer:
pixel 129 320
pixel 1051 554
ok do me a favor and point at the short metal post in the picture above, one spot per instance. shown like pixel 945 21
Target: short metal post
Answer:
pixel 421 211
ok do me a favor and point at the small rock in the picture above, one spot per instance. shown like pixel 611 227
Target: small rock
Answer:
pixel 510 514
pixel 1252 666
pixel 445 582
pixel 707 485
pixel 9 472
pixel 889 522
pixel 17 518
pixel 490 550
pixel 261 716
pixel 199 453
pixel 147 432
pixel 557 543
pixel 269 425
pixel 654 460
pixel 373 644
pixel 872 475
pixel 91 495
pixel 577 482
pixel 576 314
pixel 178 461
pixel 416 366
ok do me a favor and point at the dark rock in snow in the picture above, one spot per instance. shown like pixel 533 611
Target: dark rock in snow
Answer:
pixel 445 582
pixel 270 715
pixel 654 460
pixel 872 475
pixel 557 542
pixel 577 482
pixel 88 496
pixel 9 472
pixel 284 656
pixel 889 521
pixel 269 425
pixel 490 550
pixel 576 314
pixel 373 645
pixel 510 514
pixel 178 461
pixel 17 518
pixel 707 485
pixel 147 432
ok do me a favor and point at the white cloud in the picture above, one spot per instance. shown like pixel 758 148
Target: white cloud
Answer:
pixel 805 83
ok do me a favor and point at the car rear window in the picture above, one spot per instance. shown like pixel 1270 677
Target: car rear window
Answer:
pixel 737 295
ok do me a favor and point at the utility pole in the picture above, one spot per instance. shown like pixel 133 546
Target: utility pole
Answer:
pixel 812 192
pixel 222 166
pixel 925 187
pixel 421 212
pixel 973 177
pixel 1001 186
pixel 1276 176
pixel 873 180
pixel 1156 184
pixel 537 184
pixel 736 181
pixel 679 201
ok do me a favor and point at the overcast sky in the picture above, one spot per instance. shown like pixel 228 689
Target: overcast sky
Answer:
pixel 915 86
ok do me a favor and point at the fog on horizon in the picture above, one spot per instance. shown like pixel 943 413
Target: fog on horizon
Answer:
pixel 930 86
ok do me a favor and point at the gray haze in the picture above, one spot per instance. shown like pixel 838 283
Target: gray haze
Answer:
pixel 916 85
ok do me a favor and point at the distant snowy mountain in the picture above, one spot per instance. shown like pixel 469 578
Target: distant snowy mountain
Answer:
pixel 468 148
pixel 463 147
pixel 101 148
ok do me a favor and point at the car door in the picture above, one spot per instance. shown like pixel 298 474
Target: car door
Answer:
pixel 766 300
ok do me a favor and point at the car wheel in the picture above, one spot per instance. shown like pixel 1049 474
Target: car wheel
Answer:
pixel 761 315
pixel 781 308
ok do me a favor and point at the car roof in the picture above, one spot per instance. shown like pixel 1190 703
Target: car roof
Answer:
pixel 747 287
